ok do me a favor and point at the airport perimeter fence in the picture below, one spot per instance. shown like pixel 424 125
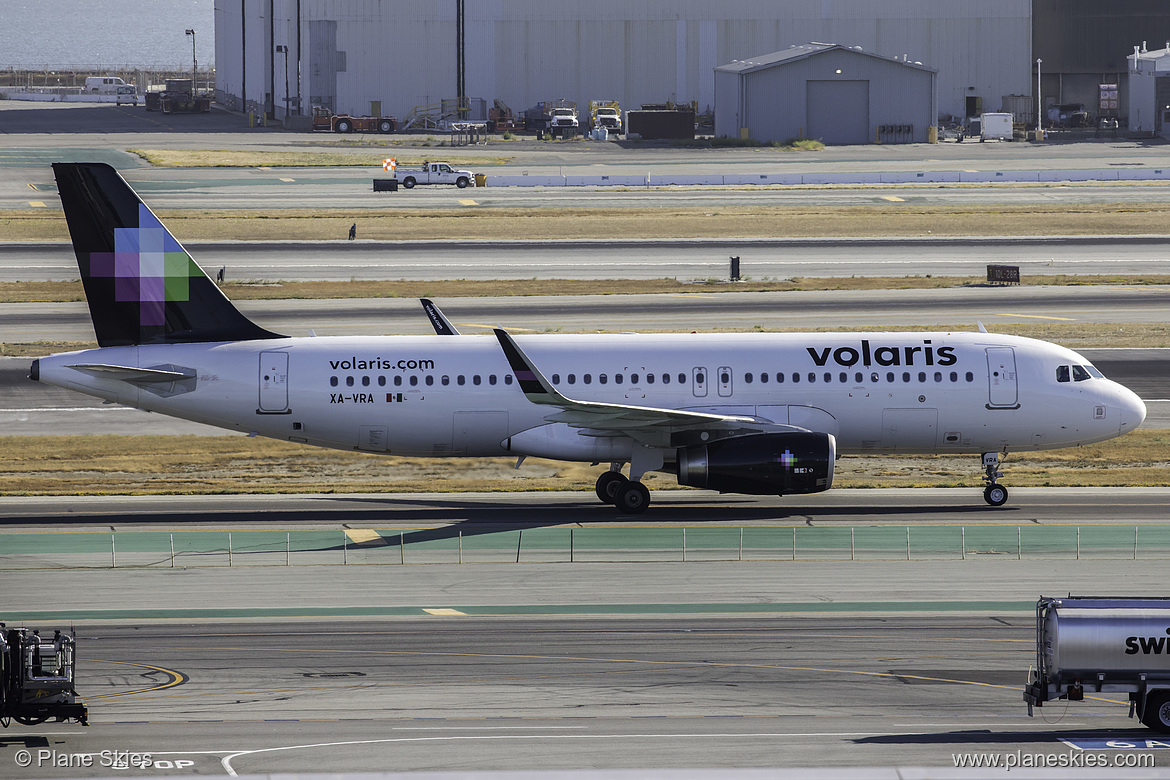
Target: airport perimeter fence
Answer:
pixel 187 549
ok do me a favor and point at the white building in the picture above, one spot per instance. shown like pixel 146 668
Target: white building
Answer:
pixel 391 56
pixel 1149 91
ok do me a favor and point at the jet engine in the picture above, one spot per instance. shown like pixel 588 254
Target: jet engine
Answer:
pixel 761 464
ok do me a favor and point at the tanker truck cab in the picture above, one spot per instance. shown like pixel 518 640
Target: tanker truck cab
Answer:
pixel 1104 646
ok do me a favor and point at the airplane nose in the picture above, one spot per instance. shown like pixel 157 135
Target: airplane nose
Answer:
pixel 1132 409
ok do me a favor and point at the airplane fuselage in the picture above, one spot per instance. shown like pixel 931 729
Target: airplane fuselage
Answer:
pixel 444 396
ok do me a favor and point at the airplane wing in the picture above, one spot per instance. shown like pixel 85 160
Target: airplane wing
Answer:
pixel 649 426
pixel 439 322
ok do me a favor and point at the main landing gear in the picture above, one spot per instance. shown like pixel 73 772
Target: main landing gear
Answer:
pixel 630 496
pixel 995 493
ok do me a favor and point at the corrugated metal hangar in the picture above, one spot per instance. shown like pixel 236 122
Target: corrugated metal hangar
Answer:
pixel 825 91
pixel 281 57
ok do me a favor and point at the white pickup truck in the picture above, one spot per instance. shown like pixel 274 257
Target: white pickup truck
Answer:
pixel 434 173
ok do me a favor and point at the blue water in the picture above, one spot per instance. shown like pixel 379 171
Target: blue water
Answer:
pixel 64 34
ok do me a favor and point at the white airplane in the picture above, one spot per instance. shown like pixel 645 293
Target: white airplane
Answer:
pixel 754 413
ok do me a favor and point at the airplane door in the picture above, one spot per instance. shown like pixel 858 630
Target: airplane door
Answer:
pixel 1001 377
pixel 273 383
pixel 724 377
pixel 699 382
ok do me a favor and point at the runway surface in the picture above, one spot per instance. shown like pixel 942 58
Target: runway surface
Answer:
pixel 488 512
pixel 824 675
pixel 698 259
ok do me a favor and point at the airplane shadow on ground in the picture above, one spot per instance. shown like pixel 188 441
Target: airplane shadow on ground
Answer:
pixel 988 737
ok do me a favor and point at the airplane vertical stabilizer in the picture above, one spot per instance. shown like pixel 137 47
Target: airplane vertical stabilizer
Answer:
pixel 142 286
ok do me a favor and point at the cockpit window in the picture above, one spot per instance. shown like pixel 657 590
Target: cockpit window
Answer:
pixel 1062 374
pixel 1080 374
pixel 1093 372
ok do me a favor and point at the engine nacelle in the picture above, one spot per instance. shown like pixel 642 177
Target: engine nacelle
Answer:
pixel 761 464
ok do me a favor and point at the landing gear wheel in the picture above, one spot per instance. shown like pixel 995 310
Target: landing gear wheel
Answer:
pixel 632 498
pixel 1157 715
pixel 996 495
pixel 608 485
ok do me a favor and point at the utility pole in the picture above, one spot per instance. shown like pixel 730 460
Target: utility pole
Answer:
pixel 194 64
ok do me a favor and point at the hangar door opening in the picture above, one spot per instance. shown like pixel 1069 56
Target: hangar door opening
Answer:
pixel 838 111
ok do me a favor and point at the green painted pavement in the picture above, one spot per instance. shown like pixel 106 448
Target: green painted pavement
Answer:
pixel 63 615
pixel 756 542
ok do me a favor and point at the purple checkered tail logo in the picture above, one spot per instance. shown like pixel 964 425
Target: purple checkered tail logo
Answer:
pixel 147 266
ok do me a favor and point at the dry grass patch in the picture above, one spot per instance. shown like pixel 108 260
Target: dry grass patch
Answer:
pixel 364 152
pixel 396 220
pixel 101 465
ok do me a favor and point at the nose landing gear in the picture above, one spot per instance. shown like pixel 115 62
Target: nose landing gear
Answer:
pixel 994 494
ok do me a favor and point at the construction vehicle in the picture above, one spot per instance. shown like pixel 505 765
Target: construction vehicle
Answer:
pixel 500 117
pixel 326 121
pixel 1104 646
pixel 177 97
pixel 36 678
pixel 607 114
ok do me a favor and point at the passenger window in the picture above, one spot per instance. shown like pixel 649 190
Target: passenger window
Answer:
pixel 507 379
pixel 764 378
pixel 602 379
pixel 446 380
pixel 748 377
pixel 828 377
pixel 873 377
pixel 556 378
pixel 491 379
pixel 475 379
pixel 724 378
pixel 905 377
pixel 682 379
pixel 617 379
pixel 398 381
pixel 844 377
pixel 858 377
pixel 365 381
pixel 954 376
pixel 572 379
pixel 970 377
pixel 666 379
pixel 1079 374
pixel 1062 374
pixel 381 381
pixel 890 376
pixel 649 379
pixel 921 376
pixel 699 378
pixel 333 381
pixel 349 381
pixel 414 381
pixel 795 378
pixel 587 379
pixel 461 380
pixel 938 376
pixel 430 380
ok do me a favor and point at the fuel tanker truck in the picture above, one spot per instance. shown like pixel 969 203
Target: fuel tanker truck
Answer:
pixel 1104 645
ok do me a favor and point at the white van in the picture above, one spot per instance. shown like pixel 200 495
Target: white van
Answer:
pixel 104 85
